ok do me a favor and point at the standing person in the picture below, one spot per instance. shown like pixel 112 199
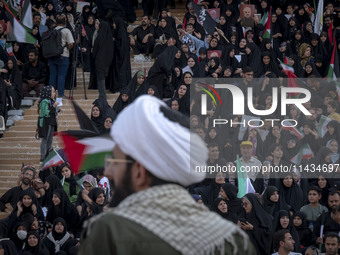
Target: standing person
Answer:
pixel 138 220
pixel 103 48
pixel 47 123
pixel 59 65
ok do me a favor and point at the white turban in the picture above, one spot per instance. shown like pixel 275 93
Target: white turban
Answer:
pixel 164 147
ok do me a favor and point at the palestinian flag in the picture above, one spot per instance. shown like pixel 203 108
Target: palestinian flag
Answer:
pixel 9 49
pixel 267 30
pixel 86 152
pixel 26 11
pixel 17 32
pixel 322 127
pixel 333 70
pixel 305 152
pixel 244 184
pixel 296 131
pixel 53 159
pixel 264 19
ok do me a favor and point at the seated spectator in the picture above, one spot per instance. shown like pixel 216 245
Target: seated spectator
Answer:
pixel 221 207
pixel 228 192
pixel 34 74
pixel 70 184
pixel 8 247
pixel 88 183
pixel 103 183
pixel 19 235
pixel 34 244
pixel 59 239
pixel 306 235
pixel 52 183
pixel 144 41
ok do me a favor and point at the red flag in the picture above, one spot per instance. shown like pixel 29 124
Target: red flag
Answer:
pixel 330 32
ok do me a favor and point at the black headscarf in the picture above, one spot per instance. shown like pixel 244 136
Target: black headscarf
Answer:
pixel 71 180
pixel 93 195
pixel 8 246
pixel 261 235
pixel 293 195
pixel 229 215
pixel 155 89
pixel 136 89
pixel 39 249
pixel 45 93
pixel 273 207
pixel 54 183
pixel 298 70
pixel 161 69
pixel 271 67
pixel 59 236
pixel 120 104
pixel 234 203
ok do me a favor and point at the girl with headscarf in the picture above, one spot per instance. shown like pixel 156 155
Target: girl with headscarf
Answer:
pixel 229 59
pixel 50 10
pixel 212 70
pixel 27 204
pixel 307 30
pixel 176 77
pixel 69 183
pixel 296 64
pixel 268 64
pixel 283 221
pixel 310 135
pixel 152 91
pixel 137 85
pixel 123 100
pixel 88 183
pixel 52 182
pixel 34 244
pixel 221 208
pixel 333 132
pixel 98 112
pixel 19 235
pixel 257 224
pixel 62 207
pixel 229 192
pixel 324 185
pixel 195 67
pixel 13 81
pixel 271 201
pixel 109 118
pixel 160 72
pixel 183 94
pixel 253 55
pixel 120 70
pixel 47 122
pixel 310 70
pixel 301 16
pixel 59 239
pixel 95 205
pixel 20 56
pixel 292 27
pixel 306 236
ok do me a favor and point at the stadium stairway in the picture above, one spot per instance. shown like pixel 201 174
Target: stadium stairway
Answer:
pixel 18 144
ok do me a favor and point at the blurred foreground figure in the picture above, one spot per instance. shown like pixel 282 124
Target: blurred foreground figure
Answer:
pixel 151 211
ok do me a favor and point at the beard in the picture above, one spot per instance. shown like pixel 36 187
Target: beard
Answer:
pixel 143 23
pixel 25 181
pixel 122 190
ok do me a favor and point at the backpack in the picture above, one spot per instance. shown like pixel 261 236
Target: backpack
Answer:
pixel 51 44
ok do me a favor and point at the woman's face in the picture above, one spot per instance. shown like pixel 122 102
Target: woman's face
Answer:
pixel 59 228
pixel 87 186
pixel 323 38
pixel 291 61
pixel 16 47
pixel 298 36
pixel 50 7
pixel 276 130
pixel 96 25
pixel 182 90
pixel 140 80
pixel 307 52
pixel 247 205
pixel 243 43
pixel 46 185
pixel 284 222
pixel 212 62
pixel 108 123
pixel 227 72
pixel 301 11
pixel 175 105
pixel 228 13
pixel 288 181
pixel 125 98
pixel 191 62
pixel 232 53
pixel 331 130
pixel 268 100
pixel 222 20
pixel 309 69
pixel 90 20
pixel 69 18
pixel 187 79
pixel 292 23
pixel 151 92
pixel 212 133
pixel 222 206
pixel 185 48
pixel 275 197
pixel 213 43
pixel 178 54
pixel 35 31
pixel 95 112
pixel 66 172
pixel 277 153
pixel 266 60
pixel 27 201
pixel 55 200
pixel 10 64
pixel 223 194
pixel 333 146
pixel 178 72
pixel 322 182
pixel 328 158
pixel 32 240
pixel 100 199
pixel 268 45
pixel 163 23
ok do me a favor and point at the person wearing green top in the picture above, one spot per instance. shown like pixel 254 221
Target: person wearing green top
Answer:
pixel 69 183
pixel 47 121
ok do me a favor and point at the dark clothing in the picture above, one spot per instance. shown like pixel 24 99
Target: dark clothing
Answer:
pixel 140 33
pixel 38 72
pixel 12 196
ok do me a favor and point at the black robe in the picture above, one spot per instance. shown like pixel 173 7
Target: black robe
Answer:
pixel 120 69
pixel 120 104
pixel 161 69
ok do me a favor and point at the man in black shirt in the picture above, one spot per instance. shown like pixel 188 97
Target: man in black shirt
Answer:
pixel 34 74
pixel 144 41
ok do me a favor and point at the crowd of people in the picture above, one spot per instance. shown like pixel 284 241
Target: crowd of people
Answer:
pixel 291 212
